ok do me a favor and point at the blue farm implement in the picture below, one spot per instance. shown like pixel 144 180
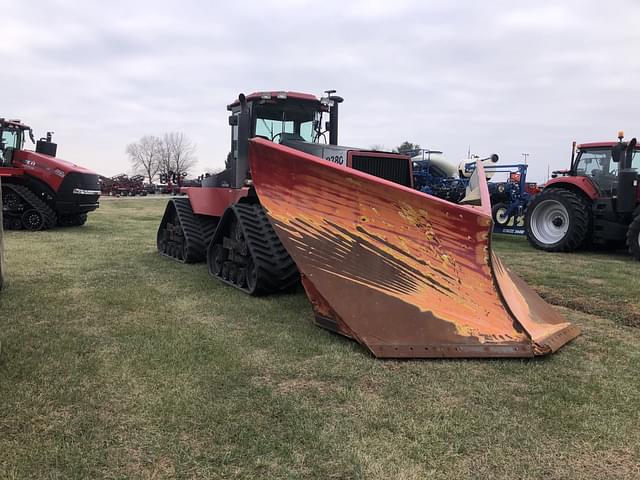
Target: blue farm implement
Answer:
pixel 509 199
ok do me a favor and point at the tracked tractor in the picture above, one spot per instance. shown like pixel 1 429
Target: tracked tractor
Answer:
pixel 39 190
pixel 403 273
pixel 595 202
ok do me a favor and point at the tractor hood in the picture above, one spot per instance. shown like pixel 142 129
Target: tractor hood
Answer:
pixel 51 170
pixel 25 157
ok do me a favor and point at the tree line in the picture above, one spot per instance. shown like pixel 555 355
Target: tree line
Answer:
pixel 405 147
pixel 174 152
pixel 153 156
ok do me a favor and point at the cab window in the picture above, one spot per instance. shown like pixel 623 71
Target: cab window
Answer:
pixel 10 139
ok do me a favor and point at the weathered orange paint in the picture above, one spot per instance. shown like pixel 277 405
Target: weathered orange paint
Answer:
pixel 404 273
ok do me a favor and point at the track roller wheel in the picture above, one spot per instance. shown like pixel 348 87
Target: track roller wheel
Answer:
pixel 217 259
pixel 33 220
pixel 251 276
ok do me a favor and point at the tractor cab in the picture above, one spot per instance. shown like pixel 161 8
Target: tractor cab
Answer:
pixel 280 117
pixel 12 137
pixel 602 164
pixel 296 120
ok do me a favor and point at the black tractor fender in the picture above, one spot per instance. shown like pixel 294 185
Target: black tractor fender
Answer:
pixel 38 187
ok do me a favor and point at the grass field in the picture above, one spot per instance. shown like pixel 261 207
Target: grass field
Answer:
pixel 117 363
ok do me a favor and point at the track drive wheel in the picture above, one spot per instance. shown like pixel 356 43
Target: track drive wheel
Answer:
pixel 633 238
pixel 500 214
pixel 558 220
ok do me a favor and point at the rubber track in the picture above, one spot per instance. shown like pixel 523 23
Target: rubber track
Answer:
pixel 276 270
pixel 191 229
pixel 208 227
pixel 50 219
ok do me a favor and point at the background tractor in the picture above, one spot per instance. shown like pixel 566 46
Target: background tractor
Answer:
pixel 403 273
pixel 39 190
pixel 434 175
pixel 595 202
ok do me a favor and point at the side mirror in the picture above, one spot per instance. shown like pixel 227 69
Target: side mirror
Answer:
pixel 629 156
pixel 233 120
pixel 616 152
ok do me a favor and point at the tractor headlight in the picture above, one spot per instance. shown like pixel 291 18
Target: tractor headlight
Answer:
pixel 81 191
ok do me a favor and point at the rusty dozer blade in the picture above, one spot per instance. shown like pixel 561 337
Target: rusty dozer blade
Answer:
pixel 403 273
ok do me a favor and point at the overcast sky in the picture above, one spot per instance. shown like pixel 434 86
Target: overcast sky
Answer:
pixel 498 76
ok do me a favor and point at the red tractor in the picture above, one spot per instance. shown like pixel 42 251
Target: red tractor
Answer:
pixel 404 273
pixel 40 191
pixel 595 202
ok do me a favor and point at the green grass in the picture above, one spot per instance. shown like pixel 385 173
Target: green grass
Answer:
pixel 117 363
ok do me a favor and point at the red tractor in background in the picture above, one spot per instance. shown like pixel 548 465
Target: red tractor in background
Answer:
pixel 40 191
pixel 595 202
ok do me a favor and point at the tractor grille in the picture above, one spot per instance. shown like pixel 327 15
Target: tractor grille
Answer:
pixel 393 168
pixel 85 181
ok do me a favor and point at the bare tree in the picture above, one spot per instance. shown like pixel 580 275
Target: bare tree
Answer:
pixel 145 156
pixel 177 153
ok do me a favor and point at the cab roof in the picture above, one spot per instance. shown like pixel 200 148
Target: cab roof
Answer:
pixel 275 95
pixel 14 124
pixel 583 146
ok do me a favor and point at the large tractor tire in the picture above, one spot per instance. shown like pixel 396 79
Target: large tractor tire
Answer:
pixel 558 220
pixel 633 238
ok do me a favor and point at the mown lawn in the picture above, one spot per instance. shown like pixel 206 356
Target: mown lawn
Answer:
pixel 117 363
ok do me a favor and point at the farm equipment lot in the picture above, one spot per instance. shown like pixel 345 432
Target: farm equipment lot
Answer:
pixel 117 362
